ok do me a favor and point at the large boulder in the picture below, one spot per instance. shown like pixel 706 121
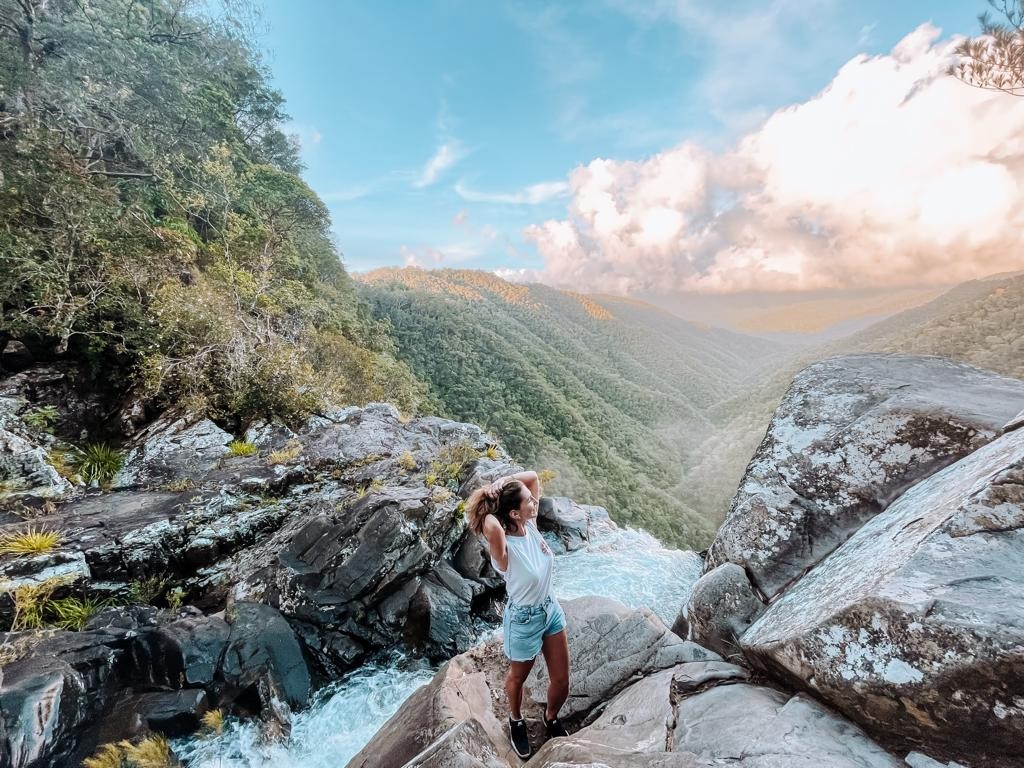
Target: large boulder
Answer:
pixel 174 447
pixel 702 714
pixel 25 465
pixel 852 434
pixel 915 626
pixel 572 524
pixel 722 605
pixel 610 647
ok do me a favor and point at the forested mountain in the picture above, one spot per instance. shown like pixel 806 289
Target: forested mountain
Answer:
pixel 633 407
pixel 612 394
pixel 154 229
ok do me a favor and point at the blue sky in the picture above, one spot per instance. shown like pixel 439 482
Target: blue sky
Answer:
pixel 438 131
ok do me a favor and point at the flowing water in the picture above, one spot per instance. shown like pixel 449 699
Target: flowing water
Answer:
pixel 627 565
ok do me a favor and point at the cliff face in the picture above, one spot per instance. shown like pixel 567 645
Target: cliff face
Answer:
pixel 273 564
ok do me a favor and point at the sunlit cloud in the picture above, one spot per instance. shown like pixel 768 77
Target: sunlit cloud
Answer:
pixel 895 174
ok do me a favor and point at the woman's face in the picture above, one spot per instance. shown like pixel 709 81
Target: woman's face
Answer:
pixel 528 505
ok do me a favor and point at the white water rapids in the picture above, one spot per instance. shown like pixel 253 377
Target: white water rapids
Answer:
pixel 627 565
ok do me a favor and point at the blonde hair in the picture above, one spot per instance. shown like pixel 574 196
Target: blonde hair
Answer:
pixel 501 503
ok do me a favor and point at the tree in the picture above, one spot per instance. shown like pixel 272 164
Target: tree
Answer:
pixel 995 60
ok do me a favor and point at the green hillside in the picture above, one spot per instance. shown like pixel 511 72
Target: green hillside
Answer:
pixel 611 394
pixel 154 227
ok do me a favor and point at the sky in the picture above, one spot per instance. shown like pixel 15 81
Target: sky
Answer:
pixel 662 146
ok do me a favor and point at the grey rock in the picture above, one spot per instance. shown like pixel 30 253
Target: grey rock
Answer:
pixel 485 471
pixel 173 448
pixel 852 434
pixel 915 626
pixel 611 645
pixel 722 605
pixel 262 647
pixel 269 436
pixel 25 468
pixel 1015 423
pixel 918 760
pixel 465 745
pixel 749 726
pixel 567 519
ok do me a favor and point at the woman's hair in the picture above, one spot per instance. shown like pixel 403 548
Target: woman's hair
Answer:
pixel 483 502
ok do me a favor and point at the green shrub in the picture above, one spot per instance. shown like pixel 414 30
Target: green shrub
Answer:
pixel 241 448
pixel 98 463
pixel 41 418
pixel 74 613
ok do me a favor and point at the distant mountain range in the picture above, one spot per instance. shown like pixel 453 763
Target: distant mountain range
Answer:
pixel 634 408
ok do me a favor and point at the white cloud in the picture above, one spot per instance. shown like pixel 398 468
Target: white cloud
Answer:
pixel 531 195
pixel 447 155
pixel 453 253
pixel 895 174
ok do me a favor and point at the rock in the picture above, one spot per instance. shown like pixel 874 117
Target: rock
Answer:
pixel 722 605
pixel 15 356
pixel 465 745
pixel 25 467
pixel 272 436
pixel 915 626
pixel 263 654
pixel 610 645
pixel 1015 423
pixel 438 615
pixel 485 471
pixel 458 692
pixel 568 520
pixel 171 713
pixel 745 725
pixel 53 694
pixel 189 649
pixel 173 448
pixel 700 714
pixel 852 434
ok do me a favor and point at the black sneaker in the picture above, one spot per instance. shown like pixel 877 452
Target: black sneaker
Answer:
pixel 519 737
pixel 555 728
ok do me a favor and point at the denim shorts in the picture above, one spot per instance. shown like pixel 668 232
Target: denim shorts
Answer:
pixel 526 626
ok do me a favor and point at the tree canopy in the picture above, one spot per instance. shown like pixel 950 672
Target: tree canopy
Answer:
pixel 153 223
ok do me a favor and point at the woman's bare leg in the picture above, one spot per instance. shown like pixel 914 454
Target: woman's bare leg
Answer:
pixel 556 656
pixel 517 673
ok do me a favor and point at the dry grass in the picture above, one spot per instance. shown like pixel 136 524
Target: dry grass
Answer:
pixel 151 752
pixel 31 603
pixel 288 454
pixel 33 541
pixel 214 720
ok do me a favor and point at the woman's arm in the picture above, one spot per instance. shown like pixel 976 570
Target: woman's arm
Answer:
pixel 496 546
pixel 530 479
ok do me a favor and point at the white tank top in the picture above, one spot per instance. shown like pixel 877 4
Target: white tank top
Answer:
pixel 530 567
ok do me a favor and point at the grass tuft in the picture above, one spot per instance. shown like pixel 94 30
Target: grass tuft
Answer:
pixel 29 542
pixel 287 454
pixel 31 603
pixel 214 720
pixel 407 462
pixel 74 613
pixel 242 448
pixel 98 463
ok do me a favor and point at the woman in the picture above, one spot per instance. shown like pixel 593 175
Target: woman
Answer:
pixel 505 512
